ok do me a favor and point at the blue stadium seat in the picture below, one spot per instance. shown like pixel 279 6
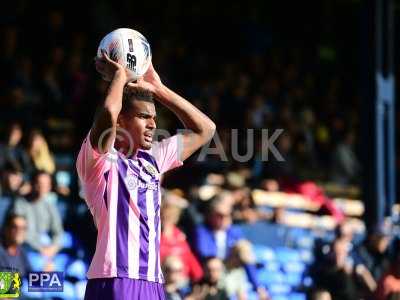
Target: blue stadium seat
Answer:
pixel 77 269
pixel 306 256
pixel 279 288
pixel 36 260
pixel 267 277
pixel 67 240
pixel 294 267
pixel 297 296
pixel 279 297
pixel 263 253
pixel 263 233
pixel 294 279
pixel 60 261
pixel 80 287
pixel 287 254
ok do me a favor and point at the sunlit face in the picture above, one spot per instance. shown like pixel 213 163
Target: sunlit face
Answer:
pixel 140 123
pixel 43 184
pixel 16 232
pixel 214 269
pixel 14 180
pixel 220 217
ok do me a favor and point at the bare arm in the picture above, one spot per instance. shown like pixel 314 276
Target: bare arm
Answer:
pixel 107 114
pixel 200 127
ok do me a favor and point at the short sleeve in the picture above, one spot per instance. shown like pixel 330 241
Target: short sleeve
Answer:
pixel 167 154
pixel 90 163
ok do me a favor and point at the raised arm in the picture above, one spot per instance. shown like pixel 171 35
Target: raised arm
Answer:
pixel 107 114
pixel 200 128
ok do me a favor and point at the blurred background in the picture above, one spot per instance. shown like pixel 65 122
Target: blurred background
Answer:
pixel 322 224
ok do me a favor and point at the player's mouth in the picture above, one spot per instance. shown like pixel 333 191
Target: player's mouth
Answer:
pixel 148 137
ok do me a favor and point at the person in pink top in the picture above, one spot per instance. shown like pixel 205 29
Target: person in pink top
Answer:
pixel 120 167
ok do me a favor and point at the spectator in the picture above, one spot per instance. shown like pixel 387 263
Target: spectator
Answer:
pixel 42 218
pixel 12 255
pixel 217 236
pixel 345 165
pixel 173 240
pixel 13 184
pixel 175 278
pixel 11 151
pixel 389 284
pixel 211 287
pixel 319 294
pixel 39 153
pixel 236 281
pixel 373 253
pixel 339 276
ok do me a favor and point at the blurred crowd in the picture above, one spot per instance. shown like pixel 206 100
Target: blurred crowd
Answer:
pixel 49 92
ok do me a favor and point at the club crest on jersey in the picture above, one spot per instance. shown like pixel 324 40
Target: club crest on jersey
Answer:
pixel 150 169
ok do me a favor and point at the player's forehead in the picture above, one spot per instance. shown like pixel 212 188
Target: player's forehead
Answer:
pixel 142 106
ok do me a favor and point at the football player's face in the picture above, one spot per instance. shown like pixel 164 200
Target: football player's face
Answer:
pixel 140 123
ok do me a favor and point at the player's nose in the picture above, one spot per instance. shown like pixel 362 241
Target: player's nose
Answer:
pixel 151 123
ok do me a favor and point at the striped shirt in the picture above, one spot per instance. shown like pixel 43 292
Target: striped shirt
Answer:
pixel 124 197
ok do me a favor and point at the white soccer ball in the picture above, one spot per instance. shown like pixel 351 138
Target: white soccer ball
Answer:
pixel 129 48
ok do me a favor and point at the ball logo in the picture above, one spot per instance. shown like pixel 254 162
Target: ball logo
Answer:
pixel 131 62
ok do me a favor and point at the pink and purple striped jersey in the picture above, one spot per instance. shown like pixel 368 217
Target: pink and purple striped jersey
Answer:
pixel 124 197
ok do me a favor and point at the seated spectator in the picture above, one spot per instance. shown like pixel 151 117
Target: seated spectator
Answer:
pixel 389 284
pixel 319 294
pixel 339 276
pixel 211 288
pixel 13 185
pixel 175 279
pixel 345 165
pixel 245 210
pixel 42 217
pixel 11 151
pixel 173 240
pixel 373 253
pixel 217 236
pixel 236 281
pixel 39 153
pixel 12 255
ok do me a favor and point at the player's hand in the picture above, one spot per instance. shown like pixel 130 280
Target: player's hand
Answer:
pixel 109 68
pixel 150 81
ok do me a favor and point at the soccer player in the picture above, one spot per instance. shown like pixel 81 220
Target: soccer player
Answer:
pixel 120 177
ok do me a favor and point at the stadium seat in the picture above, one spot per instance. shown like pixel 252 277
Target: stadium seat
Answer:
pixel 36 260
pixel 294 267
pixel 61 261
pixel 67 240
pixel 77 269
pixel 267 277
pixel 279 288
pixel 80 287
pixel 287 254
pixel 297 296
pixel 294 279
pixel 263 253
